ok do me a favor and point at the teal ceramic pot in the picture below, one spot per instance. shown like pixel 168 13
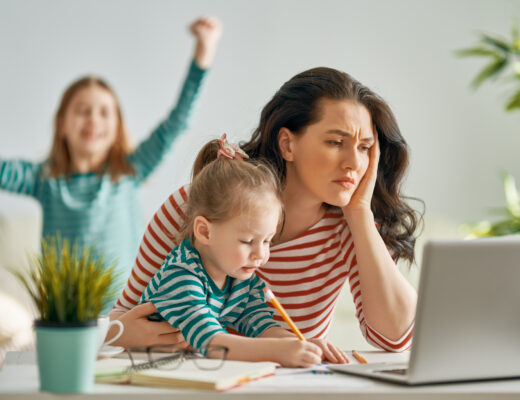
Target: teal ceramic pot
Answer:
pixel 66 356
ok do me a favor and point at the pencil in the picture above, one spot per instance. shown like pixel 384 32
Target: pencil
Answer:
pixel 359 357
pixel 270 297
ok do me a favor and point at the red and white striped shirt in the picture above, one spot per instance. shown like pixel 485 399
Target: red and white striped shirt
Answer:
pixel 306 273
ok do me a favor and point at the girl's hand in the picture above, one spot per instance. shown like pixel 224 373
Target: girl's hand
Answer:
pixel 362 197
pixel 141 332
pixel 330 352
pixel 207 31
pixel 296 353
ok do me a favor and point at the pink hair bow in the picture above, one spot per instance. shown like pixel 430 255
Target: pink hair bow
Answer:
pixel 230 150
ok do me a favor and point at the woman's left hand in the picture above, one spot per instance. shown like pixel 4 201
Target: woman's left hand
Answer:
pixel 362 197
pixel 330 353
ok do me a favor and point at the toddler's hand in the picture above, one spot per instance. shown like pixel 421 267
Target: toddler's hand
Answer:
pixel 330 352
pixel 296 353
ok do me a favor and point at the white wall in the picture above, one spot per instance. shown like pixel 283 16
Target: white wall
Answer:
pixel 402 49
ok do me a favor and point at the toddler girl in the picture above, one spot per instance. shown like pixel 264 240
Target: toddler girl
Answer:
pixel 208 283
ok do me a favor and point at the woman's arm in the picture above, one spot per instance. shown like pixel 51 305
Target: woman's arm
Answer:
pixel 388 299
pixel 138 331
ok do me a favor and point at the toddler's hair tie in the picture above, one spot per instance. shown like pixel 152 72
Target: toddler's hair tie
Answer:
pixel 230 150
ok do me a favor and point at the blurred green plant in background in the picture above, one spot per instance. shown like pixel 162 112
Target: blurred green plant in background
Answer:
pixel 510 222
pixel 504 61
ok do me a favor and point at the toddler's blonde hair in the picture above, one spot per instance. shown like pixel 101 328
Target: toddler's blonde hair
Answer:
pixel 222 188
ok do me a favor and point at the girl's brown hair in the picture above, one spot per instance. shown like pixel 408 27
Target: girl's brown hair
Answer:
pixel 60 163
pixel 222 188
pixel 297 104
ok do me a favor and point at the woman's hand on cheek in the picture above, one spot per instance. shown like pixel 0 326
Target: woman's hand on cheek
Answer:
pixel 362 197
pixel 331 353
pixel 141 332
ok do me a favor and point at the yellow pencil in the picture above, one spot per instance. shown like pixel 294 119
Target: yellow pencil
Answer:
pixel 359 357
pixel 270 297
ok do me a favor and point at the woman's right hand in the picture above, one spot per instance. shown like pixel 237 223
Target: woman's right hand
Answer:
pixel 362 197
pixel 294 353
pixel 141 332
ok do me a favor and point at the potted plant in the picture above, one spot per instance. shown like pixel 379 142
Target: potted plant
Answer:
pixel 69 287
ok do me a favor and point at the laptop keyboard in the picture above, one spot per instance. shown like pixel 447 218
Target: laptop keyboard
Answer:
pixel 399 371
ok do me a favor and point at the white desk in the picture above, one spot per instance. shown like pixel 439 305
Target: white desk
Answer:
pixel 19 380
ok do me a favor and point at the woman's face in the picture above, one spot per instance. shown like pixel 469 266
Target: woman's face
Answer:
pixel 329 159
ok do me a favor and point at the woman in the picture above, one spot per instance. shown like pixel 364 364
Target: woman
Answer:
pixel 341 158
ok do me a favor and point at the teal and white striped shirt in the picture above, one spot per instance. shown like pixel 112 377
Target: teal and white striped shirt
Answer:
pixel 186 296
pixel 89 209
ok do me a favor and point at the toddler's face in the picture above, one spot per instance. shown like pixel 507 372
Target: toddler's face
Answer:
pixel 90 123
pixel 240 245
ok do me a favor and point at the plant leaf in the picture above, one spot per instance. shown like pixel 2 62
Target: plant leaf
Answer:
pixel 478 51
pixel 514 34
pixel 514 102
pixel 497 43
pixel 511 194
pixel 489 71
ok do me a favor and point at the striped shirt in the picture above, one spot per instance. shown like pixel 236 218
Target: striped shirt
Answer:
pixel 306 273
pixel 186 296
pixel 92 210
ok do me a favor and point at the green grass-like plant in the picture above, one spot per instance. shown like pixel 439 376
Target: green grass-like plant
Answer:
pixel 68 284
pixel 503 55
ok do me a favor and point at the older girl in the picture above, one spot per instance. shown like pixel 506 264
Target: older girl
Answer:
pixel 88 185
pixel 341 158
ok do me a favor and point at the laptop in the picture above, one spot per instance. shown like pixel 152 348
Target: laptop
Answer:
pixel 467 324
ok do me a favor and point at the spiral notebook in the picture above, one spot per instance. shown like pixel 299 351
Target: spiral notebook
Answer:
pixel 188 376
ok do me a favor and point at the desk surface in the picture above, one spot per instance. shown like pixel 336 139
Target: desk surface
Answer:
pixel 19 380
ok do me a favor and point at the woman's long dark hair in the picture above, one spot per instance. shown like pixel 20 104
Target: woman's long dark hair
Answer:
pixel 296 105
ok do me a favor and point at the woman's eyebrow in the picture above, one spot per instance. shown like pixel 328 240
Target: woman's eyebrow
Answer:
pixel 348 134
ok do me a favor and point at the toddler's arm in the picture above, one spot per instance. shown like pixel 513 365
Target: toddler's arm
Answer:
pixel 289 352
pixel 257 315
pixel 330 352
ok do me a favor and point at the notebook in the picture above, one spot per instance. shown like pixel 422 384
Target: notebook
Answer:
pixel 467 324
pixel 187 375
